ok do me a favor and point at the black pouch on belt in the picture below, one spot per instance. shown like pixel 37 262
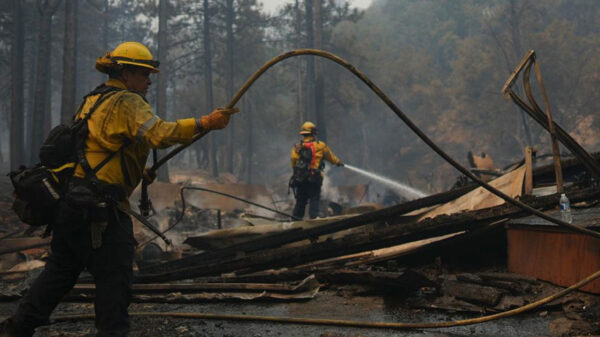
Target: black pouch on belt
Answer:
pixel 79 201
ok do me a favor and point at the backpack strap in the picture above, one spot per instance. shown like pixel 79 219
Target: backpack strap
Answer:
pixel 105 92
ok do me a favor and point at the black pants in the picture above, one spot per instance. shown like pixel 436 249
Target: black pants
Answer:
pixel 110 265
pixel 308 192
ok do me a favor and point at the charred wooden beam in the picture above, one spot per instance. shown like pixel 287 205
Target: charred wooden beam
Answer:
pixel 472 292
pixel 403 279
pixel 202 286
pixel 383 237
pixel 571 167
pixel 280 239
pixel 17 245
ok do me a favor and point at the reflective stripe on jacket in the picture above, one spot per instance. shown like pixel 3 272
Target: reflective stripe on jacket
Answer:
pixel 321 151
pixel 126 116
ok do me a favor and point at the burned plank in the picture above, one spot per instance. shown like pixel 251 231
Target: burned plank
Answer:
pixel 279 239
pixel 470 292
pixel 215 264
pixel 405 279
pixel 17 245
pixel 514 287
pixel 308 281
pixel 508 277
pixel 571 167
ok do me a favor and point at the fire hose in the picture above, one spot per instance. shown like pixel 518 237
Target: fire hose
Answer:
pixel 183 207
pixel 434 147
pixel 144 203
pixel 349 323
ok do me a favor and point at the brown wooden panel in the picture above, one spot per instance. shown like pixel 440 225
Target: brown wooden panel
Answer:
pixel 559 258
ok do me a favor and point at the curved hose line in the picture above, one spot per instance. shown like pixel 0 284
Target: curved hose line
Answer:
pixel 398 113
pixel 237 198
pixel 359 324
pixel 183 207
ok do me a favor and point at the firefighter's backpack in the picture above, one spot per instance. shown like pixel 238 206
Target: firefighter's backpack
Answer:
pixel 302 172
pixel 38 189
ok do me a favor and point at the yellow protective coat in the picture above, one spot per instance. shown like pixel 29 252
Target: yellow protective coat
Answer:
pixel 127 116
pixel 322 152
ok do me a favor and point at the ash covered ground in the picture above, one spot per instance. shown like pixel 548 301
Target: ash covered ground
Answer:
pixel 333 304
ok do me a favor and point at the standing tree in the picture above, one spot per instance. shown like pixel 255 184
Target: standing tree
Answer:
pixel 161 100
pixel 249 138
pixel 69 62
pixel 229 19
pixel 17 65
pixel 41 113
pixel 208 87
pixel 301 111
pixel 239 50
pixel 310 71
pixel 319 83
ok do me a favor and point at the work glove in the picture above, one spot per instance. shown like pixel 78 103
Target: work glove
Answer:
pixel 217 119
pixel 340 164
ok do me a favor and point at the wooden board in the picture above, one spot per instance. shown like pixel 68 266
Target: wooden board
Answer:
pixel 554 256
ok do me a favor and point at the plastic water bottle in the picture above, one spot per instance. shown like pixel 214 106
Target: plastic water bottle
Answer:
pixel 565 209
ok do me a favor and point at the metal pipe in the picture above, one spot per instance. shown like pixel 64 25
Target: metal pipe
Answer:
pixel 197 188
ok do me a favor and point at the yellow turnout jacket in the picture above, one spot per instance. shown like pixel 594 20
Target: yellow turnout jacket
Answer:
pixel 126 117
pixel 320 152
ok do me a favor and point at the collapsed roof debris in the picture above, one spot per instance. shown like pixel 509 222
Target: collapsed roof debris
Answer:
pixel 380 248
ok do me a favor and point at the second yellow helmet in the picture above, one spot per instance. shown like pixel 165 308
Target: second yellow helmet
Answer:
pixel 308 128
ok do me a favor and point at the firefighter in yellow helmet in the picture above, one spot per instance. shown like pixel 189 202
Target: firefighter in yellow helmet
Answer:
pixel 307 160
pixel 122 129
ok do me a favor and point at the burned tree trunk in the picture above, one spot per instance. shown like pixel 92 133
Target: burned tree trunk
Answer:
pixel 230 15
pixel 17 99
pixel 41 113
pixel 250 139
pixel 69 62
pixel 301 109
pixel 161 101
pixel 310 70
pixel 319 82
pixel 214 169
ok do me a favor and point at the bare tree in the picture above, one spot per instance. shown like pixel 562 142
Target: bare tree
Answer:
pixel 319 83
pixel 229 84
pixel 310 71
pixel 69 62
pixel 208 87
pixel 17 110
pixel 161 100
pixel 250 138
pixel 301 109
pixel 41 113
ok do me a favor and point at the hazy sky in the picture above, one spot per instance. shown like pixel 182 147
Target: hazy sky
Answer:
pixel 272 5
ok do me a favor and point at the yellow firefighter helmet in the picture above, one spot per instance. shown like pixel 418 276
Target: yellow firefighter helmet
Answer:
pixel 308 128
pixel 133 53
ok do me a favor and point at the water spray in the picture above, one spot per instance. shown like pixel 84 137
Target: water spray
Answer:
pixel 404 189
